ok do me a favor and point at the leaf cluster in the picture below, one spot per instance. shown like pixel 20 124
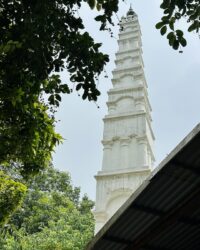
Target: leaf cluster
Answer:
pixel 174 10
pixel 11 196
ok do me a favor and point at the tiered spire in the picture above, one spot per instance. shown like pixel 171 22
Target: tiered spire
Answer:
pixel 128 137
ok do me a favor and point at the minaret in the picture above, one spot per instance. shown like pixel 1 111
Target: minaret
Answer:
pixel 128 137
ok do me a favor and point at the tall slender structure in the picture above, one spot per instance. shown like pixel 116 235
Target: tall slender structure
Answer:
pixel 128 138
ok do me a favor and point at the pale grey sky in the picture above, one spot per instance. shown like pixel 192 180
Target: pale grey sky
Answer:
pixel 174 91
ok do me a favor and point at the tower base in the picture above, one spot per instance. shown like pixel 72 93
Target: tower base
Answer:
pixel 113 189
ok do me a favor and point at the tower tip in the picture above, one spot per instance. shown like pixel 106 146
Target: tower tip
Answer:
pixel 130 11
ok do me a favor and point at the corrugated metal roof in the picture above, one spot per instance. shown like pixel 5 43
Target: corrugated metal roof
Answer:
pixel 164 213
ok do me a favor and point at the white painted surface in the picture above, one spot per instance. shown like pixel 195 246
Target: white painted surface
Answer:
pixel 128 138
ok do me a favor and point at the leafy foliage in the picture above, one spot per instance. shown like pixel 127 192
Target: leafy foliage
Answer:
pixel 51 217
pixel 175 10
pixel 39 39
pixel 11 195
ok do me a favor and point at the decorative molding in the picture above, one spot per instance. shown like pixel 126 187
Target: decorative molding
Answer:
pixel 124 115
pixel 126 89
pixel 101 175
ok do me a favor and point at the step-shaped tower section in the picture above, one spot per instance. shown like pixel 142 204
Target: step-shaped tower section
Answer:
pixel 128 137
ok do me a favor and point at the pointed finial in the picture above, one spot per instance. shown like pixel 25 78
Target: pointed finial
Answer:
pixel 130 12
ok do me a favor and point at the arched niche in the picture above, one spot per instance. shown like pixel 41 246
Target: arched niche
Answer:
pixel 126 80
pixel 128 61
pixel 116 199
pixel 125 104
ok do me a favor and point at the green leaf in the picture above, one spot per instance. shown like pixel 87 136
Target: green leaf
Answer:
pixel 163 30
pixel 194 26
pixel 171 35
pixel 78 86
pixel 64 88
pixel 58 97
pixel 175 44
pixel 171 23
pixel 183 42
pixel 165 4
pixel 84 96
pixel 92 3
pixel 51 100
pixel 159 25
pixel 179 33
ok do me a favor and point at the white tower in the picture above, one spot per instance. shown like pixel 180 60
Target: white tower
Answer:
pixel 128 138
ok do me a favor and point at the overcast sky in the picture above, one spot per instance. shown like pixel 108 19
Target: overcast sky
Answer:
pixel 174 92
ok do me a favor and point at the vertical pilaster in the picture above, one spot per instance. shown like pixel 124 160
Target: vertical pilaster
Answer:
pixel 143 155
pixel 125 152
pixel 107 151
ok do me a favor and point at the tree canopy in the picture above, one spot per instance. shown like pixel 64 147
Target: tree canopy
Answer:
pixel 52 216
pixel 39 39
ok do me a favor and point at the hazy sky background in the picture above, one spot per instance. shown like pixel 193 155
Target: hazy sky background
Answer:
pixel 174 93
